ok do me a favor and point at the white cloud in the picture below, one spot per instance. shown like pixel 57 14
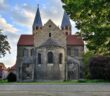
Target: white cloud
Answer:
pixel 2 1
pixel 6 26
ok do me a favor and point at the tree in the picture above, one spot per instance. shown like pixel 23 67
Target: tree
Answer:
pixel 92 18
pixel 86 60
pixel 4 45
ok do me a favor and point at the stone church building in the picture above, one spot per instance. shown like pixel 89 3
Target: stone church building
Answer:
pixel 50 52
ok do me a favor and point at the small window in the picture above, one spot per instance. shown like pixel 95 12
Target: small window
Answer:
pixel 32 52
pixel 50 26
pixel 62 28
pixel 76 53
pixel 69 51
pixel 25 52
pixel 50 57
pixel 66 33
pixel 36 28
pixel 39 58
pixel 66 27
pixel 49 34
pixel 60 58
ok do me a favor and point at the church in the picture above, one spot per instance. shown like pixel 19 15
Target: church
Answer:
pixel 50 52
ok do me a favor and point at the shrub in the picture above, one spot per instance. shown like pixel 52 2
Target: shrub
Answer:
pixel 11 77
pixel 99 68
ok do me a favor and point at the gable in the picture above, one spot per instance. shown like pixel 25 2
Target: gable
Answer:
pixel 50 30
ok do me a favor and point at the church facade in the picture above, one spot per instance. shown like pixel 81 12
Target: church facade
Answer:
pixel 50 52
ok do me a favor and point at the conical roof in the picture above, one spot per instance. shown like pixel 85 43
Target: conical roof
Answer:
pixel 37 20
pixel 65 21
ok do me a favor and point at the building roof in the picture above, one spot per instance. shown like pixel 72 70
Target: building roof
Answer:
pixel 37 20
pixel 50 42
pixel 28 40
pixel 75 40
pixel 65 21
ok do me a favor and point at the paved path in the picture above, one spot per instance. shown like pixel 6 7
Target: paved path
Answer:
pixel 55 90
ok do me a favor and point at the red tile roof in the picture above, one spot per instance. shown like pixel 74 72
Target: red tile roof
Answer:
pixel 26 40
pixel 75 40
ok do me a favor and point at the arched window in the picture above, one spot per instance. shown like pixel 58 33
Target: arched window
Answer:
pixel 76 52
pixel 50 57
pixel 37 28
pixel 39 58
pixel 60 58
pixel 66 33
pixel 49 34
pixel 32 52
pixel 25 52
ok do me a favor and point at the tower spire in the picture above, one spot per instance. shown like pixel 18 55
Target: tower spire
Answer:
pixel 66 25
pixel 37 21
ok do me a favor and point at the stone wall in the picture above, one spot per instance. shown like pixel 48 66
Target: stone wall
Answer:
pixel 54 71
pixel 22 61
pixel 56 34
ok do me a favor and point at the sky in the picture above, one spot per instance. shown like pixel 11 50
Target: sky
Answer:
pixel 17 16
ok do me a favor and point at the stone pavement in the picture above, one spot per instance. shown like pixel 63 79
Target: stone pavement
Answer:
pixel 55 90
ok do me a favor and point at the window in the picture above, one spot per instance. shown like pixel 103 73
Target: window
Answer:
pixel 76 53
pixel 49 34
pixel 25 52
pixel 36 28
pixel 49 25
pixel 69 51
pixel 50 57
pixel 66 27
pixel 62 28
pixel 32 52
pixel 39 58
pixel 66 33
pixel 60 58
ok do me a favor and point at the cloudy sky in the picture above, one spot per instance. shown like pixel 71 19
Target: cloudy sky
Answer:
pixel 16 18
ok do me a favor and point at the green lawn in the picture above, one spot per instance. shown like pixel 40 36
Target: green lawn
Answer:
pixel 58 82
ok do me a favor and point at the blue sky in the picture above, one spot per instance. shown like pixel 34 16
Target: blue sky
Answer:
pixel 16 18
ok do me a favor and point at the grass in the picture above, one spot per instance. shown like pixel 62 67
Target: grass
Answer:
pixel 85 81
pixel 3 81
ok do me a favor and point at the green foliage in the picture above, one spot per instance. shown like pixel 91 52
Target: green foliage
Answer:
pixel 86 60
pixel 100 68
pixel 11 77
pixel 92 18
pixel 4 45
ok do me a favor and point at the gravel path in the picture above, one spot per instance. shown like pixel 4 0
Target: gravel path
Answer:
pixel 55 90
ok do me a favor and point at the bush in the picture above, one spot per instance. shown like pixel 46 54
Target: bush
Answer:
pixel 99 68
pixel 11 77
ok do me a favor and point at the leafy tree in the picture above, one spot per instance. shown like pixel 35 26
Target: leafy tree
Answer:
pixel 92 18
pixel 4 45
pixel 86 60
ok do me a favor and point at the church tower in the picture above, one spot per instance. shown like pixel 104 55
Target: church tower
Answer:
pixel 66 25
pixel 37 25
